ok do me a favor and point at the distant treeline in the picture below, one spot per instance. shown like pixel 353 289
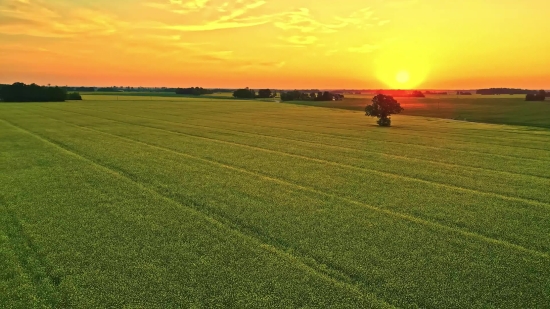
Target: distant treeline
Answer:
pixel 297 95
pixel 247 93
pixel 193 91
pixel 510 91
pixel 136 89
pixel 19 92
pixel 401 93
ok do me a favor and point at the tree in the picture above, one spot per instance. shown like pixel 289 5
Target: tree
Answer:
pixel 193 91
pixel 293 96
pixel 244 94
pixel 539 96
pixel 542 95
pixel 265 93
pixel 382 107
pixel 19 92
pixel 74 96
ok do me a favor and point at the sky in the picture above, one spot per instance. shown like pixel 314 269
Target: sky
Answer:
pixel 283 44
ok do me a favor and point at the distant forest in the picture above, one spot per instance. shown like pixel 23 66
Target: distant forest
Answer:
pixel 139 89
pixel 19 92
pixel 193 91
pixel 510 91
pixel 312 96
pixel 402 93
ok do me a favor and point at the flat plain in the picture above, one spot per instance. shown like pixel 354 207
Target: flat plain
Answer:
pixel 495 109
pixel 178 202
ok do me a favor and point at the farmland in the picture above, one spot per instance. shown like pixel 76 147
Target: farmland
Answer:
pixel 182 202
pixel 496 109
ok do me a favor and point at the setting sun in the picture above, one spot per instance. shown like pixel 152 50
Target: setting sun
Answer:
pixel 402 77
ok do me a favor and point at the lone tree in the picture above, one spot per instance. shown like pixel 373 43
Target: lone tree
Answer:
pixel 382 107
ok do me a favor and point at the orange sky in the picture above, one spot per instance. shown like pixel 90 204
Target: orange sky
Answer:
pixel 277 44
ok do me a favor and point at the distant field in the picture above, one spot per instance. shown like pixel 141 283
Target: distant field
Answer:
pixel 503 109
pixel 148 95
pixel 224 203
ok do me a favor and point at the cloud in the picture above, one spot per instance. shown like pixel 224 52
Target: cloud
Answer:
pixel 232 16
pixel 300 40
pixel 383 22
pixel 303 21
pixel 357 18
pixel 222 14
pixel 363 49
pixel 218 56
pixel 36 18
pixel 179 7
pixel 246 65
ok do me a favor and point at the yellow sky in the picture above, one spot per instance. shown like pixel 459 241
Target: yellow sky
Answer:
pixel 278 44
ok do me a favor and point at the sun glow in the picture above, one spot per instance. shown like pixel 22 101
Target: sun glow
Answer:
pixel 402 69
pixel 403 77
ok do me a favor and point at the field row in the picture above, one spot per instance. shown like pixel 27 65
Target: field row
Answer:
pixel 446 236
pixel 76 233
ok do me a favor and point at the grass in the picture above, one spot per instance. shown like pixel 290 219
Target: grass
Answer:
pixel 507 109
pixel 215 203
pixel 154 96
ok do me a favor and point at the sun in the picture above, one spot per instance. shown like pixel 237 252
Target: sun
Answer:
pixel 402 67
pixel 403 77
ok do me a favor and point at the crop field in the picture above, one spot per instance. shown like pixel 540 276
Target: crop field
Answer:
pixel 497 109
pixel 178 202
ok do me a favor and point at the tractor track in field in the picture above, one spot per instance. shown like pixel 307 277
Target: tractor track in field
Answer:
pixel 383 173
pixel 188 125
pixel 394 214
pixel 344 137
pixel 353 128
pixel 333 275
pixel 31 260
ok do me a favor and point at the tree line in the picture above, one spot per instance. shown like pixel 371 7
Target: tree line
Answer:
pixel 312 96
pixel 193 91
pixel 294 95
pixel 510 91
pixel 247 93
pixel 20 92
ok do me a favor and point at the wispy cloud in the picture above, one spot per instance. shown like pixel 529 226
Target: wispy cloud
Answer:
pixel 303 21
pixel 37 18
pixel 363 49
pixel 262 65
pixel 358 18
pixel 219 56
pixel 237 14
pixel 300 40
pixel 178 6
pixel 231 17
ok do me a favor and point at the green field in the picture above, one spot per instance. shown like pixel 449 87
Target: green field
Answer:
pixel 178 202
pixel 497 109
